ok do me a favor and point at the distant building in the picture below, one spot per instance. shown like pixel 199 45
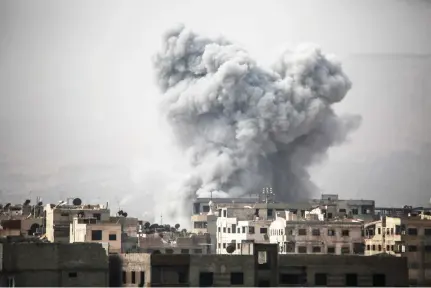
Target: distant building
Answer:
pixel 312 234
pixel 33 264
pixel 91 230
pixel 263 268
pixel 408 236
pixel 195 244
pixel 60 216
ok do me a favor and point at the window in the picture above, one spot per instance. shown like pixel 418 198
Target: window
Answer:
pixel 342 211
pixel 224 213
pixel 315 232
pixel 412 231
pixel 219 229
pixel 206 209
pixel 243 229
pixel 199 251
pixel 379 231
pixel 320 279
pixel 238 246
pixel 412 248
pixel 64 214
pixel 133 277
pixel 317 249
pixel 329 215
pixel 397 229
pixel 331 232
pixel 345 250
pixel 169 251
pixel 236 278
pixel 239 230
pixel 380 247
pixel 251 230
pixel 379 280
pixel 97 216
pixel 388 247
pixel 124 277
pixel 263 230
pixel 224 229
pixel 392 247
pixel 427 232
pixel 345 233
pixel 187 251
pixel 355 211
pixel 73 274
pixel 206 279
pixel 302 249
pixel 269 213
pixel 374 247
pixel 368 248
pixel 292 279
pixel 392 231
pixel 224 245
pixel 233 228
pixel 142 279
pixel 228 230
pixel 96 235
pixel 351 280
pixel 302 232
pixel 112 237
pixel 331 250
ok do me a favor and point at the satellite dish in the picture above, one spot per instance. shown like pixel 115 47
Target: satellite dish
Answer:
pixel 125 214
pixel 77 202
pixel 27 202
pixel 40 203
pixel 120 213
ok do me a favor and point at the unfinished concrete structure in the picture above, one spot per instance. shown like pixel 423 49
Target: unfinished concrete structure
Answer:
pixel 265 268
pixel 35 264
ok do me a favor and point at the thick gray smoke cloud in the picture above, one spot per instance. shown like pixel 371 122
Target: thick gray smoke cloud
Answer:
pixel 243 126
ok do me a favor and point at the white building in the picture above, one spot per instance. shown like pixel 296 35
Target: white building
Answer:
pixel 238 226
pixel 309 234
pixel 382 236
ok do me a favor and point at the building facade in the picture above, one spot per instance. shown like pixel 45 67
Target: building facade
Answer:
pixel 265 268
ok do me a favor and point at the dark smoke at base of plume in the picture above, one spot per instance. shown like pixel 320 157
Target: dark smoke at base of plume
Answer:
pixel 245 127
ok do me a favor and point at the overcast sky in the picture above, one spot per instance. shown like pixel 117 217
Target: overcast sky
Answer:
pixel 77 86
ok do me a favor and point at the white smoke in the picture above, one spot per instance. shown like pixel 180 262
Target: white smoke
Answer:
pixel 243 126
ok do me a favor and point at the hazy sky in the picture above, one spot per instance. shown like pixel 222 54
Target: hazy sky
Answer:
pixel 77 85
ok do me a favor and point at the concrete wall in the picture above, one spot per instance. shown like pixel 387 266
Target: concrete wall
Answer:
pixel 336 268
pixel 55 264
pixel 140 264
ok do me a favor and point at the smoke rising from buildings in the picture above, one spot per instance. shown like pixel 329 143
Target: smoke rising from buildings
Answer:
pixel 243 126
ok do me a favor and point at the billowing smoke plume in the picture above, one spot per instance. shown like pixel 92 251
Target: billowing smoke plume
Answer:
pixel 243 126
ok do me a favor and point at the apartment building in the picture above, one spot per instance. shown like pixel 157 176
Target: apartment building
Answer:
pixel 59 217
pixel 91 230
pixel 311 234
pixel 195 244
pixel 264 268
pixel 408 236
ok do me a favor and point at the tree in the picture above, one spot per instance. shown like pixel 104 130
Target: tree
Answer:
pixel 177 226
pixel 147 225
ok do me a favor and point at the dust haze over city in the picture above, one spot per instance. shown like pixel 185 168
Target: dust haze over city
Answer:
pixel 82 113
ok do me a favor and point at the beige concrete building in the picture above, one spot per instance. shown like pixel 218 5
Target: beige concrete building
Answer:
pixel 264 268
pixel 195 244
pixel 91 230
pixel 59 217
pixel 309 235
pixel 30 264
pixel 409 237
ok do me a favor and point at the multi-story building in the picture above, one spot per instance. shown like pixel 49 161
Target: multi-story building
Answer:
pixel 92 230
pixel 195 244
pixel 264 268
pixel 26 263
pixel 59 217
pixel 408 236
pixel 311 234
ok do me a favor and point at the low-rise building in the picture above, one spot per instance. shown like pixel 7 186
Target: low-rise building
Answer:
pixel 408 236
pixel 195 244
pixel 59 217
pixel 92 230
pixel 263 268
pixel 312 234
pixel 25 263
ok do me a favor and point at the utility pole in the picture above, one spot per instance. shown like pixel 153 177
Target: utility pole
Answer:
pixel 161 219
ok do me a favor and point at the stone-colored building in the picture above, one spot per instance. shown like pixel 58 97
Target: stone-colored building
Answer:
pixel 264 268
pixel 91 230
pixel 59 217
pixel 408 236
pixel 195 244
pixel 35 264
pixel 309 235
